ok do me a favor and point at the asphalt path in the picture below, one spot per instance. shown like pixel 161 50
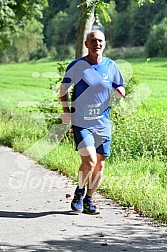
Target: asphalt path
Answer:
pixel 35 215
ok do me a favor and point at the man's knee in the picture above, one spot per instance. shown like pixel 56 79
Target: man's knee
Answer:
pixel 87 152
pixel 89 162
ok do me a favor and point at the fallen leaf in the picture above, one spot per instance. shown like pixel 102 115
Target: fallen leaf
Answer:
pixel 68 195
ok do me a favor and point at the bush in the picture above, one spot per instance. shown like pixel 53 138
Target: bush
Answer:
pixel 156 44
pixel 125 52
pixel 65 52
pixel 38 53
pixel 137 136
pixel 20 131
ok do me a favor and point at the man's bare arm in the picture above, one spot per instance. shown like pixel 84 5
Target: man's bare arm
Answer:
pixel 66 117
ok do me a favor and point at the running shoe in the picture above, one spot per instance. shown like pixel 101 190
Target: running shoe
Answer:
pixel 77 202
pixel 89 206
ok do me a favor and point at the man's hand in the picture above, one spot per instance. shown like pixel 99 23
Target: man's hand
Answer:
pixel 66 118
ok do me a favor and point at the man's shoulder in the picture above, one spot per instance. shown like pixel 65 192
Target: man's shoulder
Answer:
pixel 72 63
pixel 108 60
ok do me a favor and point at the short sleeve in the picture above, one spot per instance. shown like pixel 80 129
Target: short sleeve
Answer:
pixel 115 76
pixel 68 78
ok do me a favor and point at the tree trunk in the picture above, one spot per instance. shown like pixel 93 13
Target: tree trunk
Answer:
pixel 85 25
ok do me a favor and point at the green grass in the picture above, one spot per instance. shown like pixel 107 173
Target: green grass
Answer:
pixel 18 84
pixel 135 174
pixel 141 184
pixel 154 74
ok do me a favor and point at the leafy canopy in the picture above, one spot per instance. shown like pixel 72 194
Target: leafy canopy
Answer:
pixel 101 6
pixel 17 12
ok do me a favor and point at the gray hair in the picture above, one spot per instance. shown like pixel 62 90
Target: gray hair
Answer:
pixel 90 34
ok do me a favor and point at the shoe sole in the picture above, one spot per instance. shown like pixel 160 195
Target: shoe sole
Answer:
pixel 91 213
pixel 76 210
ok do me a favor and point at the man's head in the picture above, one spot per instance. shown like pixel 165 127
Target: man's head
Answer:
pixel 95 42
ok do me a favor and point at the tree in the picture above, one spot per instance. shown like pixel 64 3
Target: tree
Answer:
pixel 85 25
pixel 121 5
pixel 156 44
pixel 143 19
pixel 26 44
pixel 60 25
pixel 50 13
pixel 17 13
pixel 88 9
pixel 14 13
pixel 120 29
pixel 141 2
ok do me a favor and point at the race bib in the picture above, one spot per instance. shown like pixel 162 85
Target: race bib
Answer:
pixel 93 111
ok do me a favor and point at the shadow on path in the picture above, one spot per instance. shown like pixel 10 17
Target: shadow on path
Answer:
pixel 89 243
pixel 26 215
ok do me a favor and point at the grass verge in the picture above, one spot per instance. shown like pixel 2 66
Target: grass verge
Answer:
pixel 135 174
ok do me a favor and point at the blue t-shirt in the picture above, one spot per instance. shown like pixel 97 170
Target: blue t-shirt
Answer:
pixel 92 91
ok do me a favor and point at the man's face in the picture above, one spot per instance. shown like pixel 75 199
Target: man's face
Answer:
pixel 96 43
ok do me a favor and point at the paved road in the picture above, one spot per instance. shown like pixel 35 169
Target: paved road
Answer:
pixel 35 215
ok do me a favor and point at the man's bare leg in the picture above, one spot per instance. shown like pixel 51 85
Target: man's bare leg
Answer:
pixel 96 175
pixel 90 173
pixel 91 169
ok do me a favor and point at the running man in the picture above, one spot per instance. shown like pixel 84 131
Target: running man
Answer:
pixel 93 77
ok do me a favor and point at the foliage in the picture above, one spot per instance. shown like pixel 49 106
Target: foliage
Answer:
pixel 57 35
pixel 137 136
pixel 157 40
pixel 131 26
pixel 128 24
pixel 55 7
pixel 120 29
pixel 142 21
pixel 141 2
pixel 103 5
pixel 47 108
pixel 98 7
pixel 122 5
pixel 16 13
pixel 125 52
pixel 60 25
pixel 17 128
pixel 26 44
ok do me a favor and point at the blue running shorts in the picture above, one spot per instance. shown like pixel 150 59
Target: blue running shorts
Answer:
pixel 98 137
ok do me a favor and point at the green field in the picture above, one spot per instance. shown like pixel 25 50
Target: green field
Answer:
pixel 18 84
pixel 136 173
pixel 154 74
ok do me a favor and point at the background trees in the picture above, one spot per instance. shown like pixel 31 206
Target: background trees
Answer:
pixel 62 26
pixel 14 13
pixel 156 44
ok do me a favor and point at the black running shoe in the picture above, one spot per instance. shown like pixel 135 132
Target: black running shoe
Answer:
pixel 77 202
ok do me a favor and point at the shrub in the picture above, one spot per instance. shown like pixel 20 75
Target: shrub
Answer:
pixel 125 52
pixel 38 53
pixel 156 44
pixel 20 131
pixel 137 136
